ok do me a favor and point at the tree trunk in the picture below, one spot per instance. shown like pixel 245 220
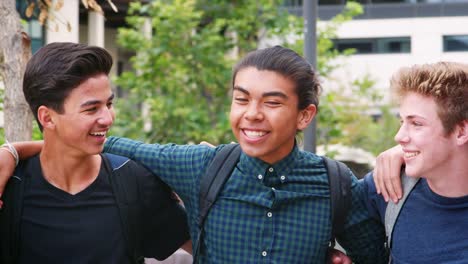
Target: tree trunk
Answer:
pixel 15 51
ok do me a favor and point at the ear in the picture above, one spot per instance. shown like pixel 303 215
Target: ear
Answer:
pixel 461 133
pixel 306 116
pixel 45 117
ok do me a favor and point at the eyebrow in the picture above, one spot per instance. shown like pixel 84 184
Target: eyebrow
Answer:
pixel 94 102
pixel 412 117
pixel 267 94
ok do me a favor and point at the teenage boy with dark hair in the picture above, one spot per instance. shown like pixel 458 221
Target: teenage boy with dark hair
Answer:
pixel 431 222
pixel 69 208
pixel 275 207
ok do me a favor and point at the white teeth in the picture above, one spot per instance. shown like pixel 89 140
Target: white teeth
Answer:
pixel 100 134
pixel 254 134
pixel 411 154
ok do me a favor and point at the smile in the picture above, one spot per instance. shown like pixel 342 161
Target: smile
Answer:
pixel 98 134
pixel 254 134
pixel 411 154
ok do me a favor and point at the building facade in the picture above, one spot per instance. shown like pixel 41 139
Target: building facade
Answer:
pixel 396 33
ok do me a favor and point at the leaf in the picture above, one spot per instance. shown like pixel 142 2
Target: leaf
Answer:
pixel 48 3
pixel 113 6
pixel 85 3
pixel 95 6
pixel 30 9
pixel 43 16
pixel 58 5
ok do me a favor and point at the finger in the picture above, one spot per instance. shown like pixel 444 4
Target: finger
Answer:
pixel 388 181
pixel 379 176
pixel 395 181
pixel 341 258
pixel 376 173
pixel 336 259
pixel 392 176
pixel 207 144
pixel 347 261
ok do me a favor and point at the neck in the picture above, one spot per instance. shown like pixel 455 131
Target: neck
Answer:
pixel 69 172
pixel 452 180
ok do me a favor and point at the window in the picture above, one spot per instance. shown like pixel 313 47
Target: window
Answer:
pixel 331 2
pixel 34 30
pixel 293 3
pixel 456 43
pixel 32 27
pixel 375 45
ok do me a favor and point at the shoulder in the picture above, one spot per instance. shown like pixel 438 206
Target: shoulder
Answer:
pixel 138 182
pixel 375 202
pixel 368 183
pixel 308 159
pixel 124 165
pixel 26 167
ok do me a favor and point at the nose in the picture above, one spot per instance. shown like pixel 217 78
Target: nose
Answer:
pixel 107 117
pixel 401 136
pixel 253 112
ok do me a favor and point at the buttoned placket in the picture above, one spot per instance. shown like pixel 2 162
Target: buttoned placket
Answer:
pixel 270 177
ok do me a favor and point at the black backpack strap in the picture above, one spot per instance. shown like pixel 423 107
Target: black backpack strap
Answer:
pixel 125 188
pixel 10 215
pixel 340 195
pixel 216 175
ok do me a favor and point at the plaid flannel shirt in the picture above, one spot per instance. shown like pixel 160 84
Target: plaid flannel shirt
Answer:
pixel 266 213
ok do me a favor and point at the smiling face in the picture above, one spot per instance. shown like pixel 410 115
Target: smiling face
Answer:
pixel 86 117
pixel 264 114
pixel 427 148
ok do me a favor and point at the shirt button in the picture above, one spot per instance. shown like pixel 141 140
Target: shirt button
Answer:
pixel 260 177
pixel 264 253
pixel 269 214
pixel 283 177
pixel 270 169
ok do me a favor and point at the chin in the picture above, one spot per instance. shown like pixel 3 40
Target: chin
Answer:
pixel 412 172
pixel 95 151
pixel 249 152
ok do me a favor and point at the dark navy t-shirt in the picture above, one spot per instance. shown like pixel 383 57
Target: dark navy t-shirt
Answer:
pixel 430 228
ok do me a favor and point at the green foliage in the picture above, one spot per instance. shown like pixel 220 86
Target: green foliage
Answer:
pixel 36 132
pixel 345 117
pixel 181 74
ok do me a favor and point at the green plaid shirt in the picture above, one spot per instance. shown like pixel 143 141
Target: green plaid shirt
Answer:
pixel 266 213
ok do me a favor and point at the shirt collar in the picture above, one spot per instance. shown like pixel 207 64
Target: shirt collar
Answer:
pixel 257 166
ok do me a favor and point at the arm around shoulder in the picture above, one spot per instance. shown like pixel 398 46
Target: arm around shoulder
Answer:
pixel 9 158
